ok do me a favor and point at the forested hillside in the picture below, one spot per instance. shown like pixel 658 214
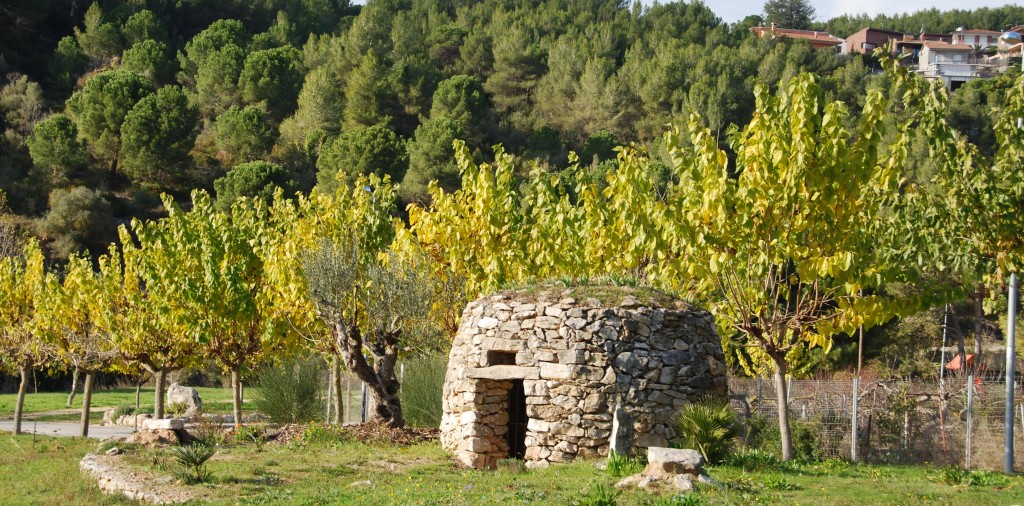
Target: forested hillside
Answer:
pixel 106 105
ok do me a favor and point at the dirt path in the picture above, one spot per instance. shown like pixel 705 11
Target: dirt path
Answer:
pixel 68 429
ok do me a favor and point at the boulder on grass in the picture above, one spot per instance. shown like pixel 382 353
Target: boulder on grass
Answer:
pixel 668 468
pixel 668 462
pixel 187 396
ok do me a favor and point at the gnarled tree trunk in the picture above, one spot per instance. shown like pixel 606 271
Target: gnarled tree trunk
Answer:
pixel 380 378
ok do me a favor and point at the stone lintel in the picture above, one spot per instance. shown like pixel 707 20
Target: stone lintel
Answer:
pixel 504 372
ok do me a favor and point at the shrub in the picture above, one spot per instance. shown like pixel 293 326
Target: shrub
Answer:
pixel 192 462
pixel 753 460
pixel 176 409
pixel 255 434
pixel 324 434
pixel 622 465
pixel 763 434
pixel 123 410
pixel 421 391
pixel 208 432
pixel 955 476
pixel 290 391
pixel 708 426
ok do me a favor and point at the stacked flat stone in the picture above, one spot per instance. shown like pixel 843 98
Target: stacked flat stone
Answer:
pixel 579 360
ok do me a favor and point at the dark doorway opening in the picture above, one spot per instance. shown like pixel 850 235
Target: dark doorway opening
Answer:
pixel 517 420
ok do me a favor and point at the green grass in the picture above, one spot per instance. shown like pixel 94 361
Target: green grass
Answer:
pixel 47 472
pixel 215 400
pixel 423 474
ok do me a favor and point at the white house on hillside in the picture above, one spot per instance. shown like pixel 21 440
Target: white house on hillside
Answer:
pixel 952 63
pixel 977 39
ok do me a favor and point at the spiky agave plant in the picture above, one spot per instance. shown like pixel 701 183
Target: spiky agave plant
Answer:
pixel 708 426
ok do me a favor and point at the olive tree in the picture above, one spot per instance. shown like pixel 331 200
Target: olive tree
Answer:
pixel 368 304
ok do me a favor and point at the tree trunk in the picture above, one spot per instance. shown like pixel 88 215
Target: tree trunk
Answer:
pixel 961 348
pixel 236 394
pixel 20 403
pixel 158 399
pixel 339 417
pixel 86 402
pixel 138 395
pixel 384 408
pixel 380 377
pixel 74 387
pixel 979 325
pixel 785 435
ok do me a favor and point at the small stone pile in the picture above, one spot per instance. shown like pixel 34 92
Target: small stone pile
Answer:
pixel 669 468
pixel 583 363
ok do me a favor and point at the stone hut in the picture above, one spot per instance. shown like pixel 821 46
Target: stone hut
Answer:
pixel 550 375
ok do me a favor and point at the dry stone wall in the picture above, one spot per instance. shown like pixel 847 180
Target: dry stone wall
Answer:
pixel 578 358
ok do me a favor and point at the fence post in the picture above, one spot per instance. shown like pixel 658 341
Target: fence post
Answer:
pixel 1011 357
pixel 970 419
pixel 853 422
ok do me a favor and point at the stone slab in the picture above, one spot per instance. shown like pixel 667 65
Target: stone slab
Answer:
pixel 163 424
pixel 503 372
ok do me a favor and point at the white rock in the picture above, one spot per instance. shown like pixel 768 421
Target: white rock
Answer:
pixel 487 322
pixel 163 424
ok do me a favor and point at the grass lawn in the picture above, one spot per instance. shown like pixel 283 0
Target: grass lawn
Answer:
pixel 422 474
pixel 215 400
pixel 46 473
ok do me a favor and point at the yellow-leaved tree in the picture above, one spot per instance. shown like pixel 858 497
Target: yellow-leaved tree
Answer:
pixel 135 310
pixel 214 284
pixel 67 323
pixel 21 280
pixel 782 242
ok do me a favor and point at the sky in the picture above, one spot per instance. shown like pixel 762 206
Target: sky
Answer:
pixel 735 10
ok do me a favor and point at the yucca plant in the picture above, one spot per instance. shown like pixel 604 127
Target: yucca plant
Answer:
pixel 708 426
pixel 192 459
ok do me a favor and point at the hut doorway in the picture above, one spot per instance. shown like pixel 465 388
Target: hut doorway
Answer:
pixel 517 421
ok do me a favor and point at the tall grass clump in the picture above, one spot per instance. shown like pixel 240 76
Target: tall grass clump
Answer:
pixel 421 392
pixel 291 391
pixel 708 426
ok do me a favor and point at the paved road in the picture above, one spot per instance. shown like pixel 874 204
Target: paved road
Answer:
pixel 66 429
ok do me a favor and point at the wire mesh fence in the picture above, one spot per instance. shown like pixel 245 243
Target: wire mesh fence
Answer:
pixel 959 421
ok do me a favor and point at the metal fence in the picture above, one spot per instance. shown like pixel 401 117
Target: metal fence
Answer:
pixel 960 421
pixel 353 395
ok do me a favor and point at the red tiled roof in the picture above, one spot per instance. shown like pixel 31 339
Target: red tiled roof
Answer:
pixel 983 32
pixel 945 46
pixel 813 36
